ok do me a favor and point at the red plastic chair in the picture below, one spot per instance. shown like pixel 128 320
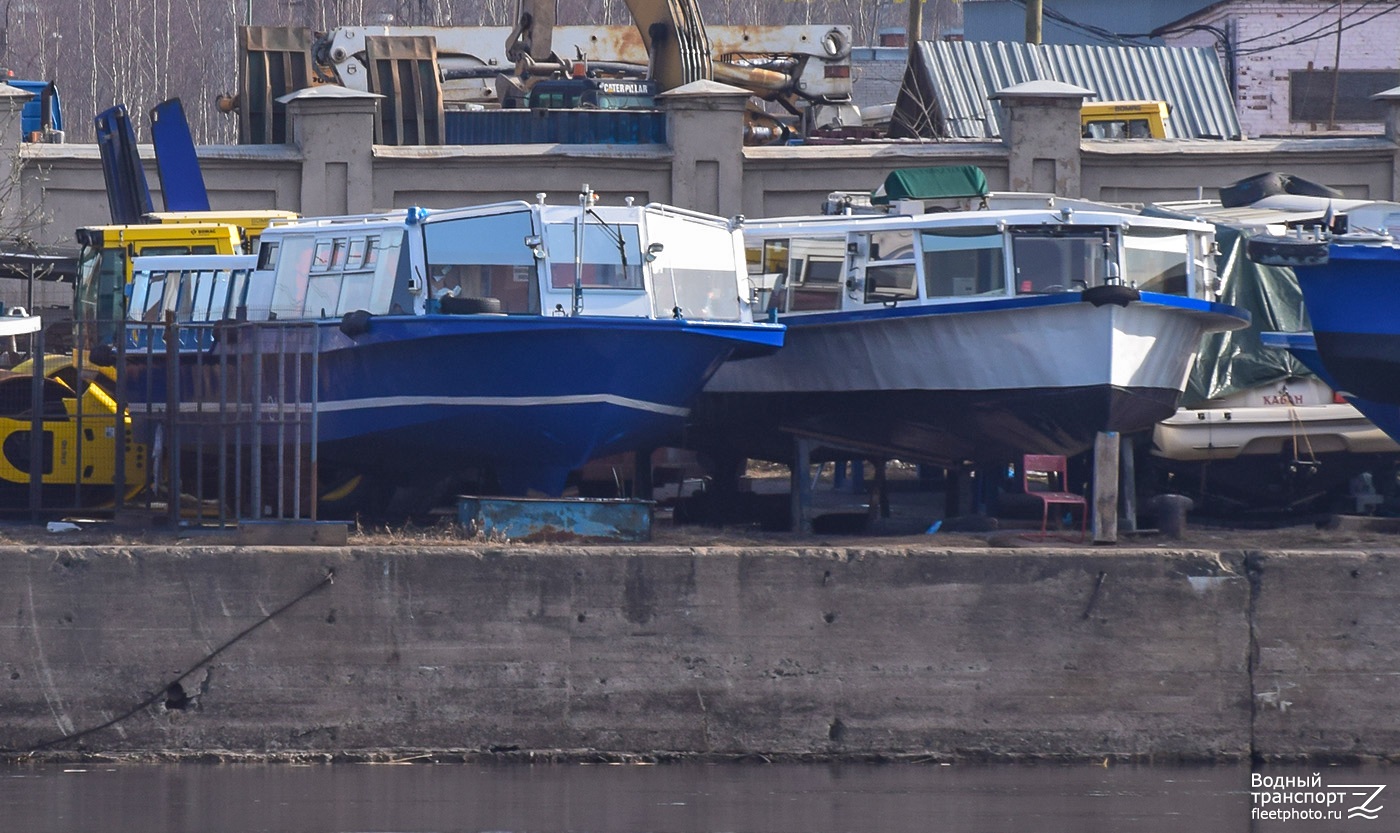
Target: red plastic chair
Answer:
pixel 1045 467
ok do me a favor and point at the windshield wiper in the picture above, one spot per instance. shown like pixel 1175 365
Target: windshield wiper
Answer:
pixel 615 235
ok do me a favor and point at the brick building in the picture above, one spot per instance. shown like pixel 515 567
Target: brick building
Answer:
pixel 1301 67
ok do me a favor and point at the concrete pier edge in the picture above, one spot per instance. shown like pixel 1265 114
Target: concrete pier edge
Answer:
pixel 657 653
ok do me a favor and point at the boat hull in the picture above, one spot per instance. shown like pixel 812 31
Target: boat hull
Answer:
pixel 1353 300
pixel 945 384
pixel 530 398
pixel 1385 416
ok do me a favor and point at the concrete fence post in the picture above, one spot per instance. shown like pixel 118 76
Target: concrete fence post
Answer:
pixel 12 101
pixel 1043 133
pixel 705 129
pixel 334 129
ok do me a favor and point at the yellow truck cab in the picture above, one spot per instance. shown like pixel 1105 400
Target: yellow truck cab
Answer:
pixel 106 252
pixel 1124 119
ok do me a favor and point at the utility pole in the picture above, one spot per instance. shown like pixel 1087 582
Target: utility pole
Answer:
pixel 916 26
pixel 1033 18
pixel 1336 72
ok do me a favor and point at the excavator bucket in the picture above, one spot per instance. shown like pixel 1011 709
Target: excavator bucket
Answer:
pixel 404 69
pixel 273 61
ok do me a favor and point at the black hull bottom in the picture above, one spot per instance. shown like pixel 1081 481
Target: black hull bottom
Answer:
pixel 1365 365
pixel 944 428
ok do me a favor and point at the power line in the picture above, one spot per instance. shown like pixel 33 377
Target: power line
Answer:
pixel 1320 34
pixel 1290 27
pixel 1097 31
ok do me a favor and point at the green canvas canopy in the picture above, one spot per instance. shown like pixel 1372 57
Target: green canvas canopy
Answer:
pixel 1234 361
pixel 943 182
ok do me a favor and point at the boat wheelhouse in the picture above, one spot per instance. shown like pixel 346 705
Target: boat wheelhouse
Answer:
pixel 962 336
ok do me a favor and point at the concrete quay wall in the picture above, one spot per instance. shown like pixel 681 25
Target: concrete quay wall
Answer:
pixel 828 651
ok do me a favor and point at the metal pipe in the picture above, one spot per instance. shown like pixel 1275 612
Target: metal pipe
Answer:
pixel 751 78
pixel 585 201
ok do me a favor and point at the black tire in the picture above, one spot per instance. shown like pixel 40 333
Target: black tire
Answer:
pixel 469 306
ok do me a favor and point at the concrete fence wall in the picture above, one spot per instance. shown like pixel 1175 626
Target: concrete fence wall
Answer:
pixel 333 166
pixel 985 653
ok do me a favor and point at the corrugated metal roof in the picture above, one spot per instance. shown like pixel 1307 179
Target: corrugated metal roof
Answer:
pixel 945 91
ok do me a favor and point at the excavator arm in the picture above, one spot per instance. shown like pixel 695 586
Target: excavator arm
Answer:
pixel 673 33
pixel 675 39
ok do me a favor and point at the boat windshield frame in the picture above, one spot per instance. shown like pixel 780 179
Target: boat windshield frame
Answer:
pixel 1104 247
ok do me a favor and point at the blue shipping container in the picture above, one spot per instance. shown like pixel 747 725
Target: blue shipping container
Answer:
pixel 575 127
pixel 32 116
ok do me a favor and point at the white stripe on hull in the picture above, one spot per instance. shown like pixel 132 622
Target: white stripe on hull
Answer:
pixel 380 402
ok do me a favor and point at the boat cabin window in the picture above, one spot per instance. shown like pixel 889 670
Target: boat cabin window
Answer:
pixel 315 279
pixel 327 282
pixel 293 265
pixel 612 256
pixel 1157 260
pixel 693 270
pixel 194 294
pixel 321 258
pixel 482 257
pixel 356 258
pixel 1052 261
pixel 189 290
pixel 810 273
pixel 229 287
pixel 338 249
pixel 891 273
pixel 767 263
pixel 267 256
pixel 148 296
pixel 962 262
pixel 204 287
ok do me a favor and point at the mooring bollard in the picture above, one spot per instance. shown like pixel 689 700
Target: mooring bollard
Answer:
pixel 1171 514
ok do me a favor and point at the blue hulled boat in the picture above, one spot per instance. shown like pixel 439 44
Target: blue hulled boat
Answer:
pixel 520 339
pixel 1351 285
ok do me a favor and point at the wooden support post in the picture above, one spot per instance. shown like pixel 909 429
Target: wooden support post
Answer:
pixel 881 488
pixel 724 481
pixel 1106 488
pixel 1127 483
pixel 958 500
pixel 643 487
pixel 801 486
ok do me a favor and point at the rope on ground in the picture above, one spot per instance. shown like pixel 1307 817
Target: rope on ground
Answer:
pixel 162 691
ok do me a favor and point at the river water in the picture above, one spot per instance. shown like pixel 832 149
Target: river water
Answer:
pixel 709 798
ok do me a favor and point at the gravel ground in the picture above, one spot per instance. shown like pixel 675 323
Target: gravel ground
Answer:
pixel 912 514
pixel 899 533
